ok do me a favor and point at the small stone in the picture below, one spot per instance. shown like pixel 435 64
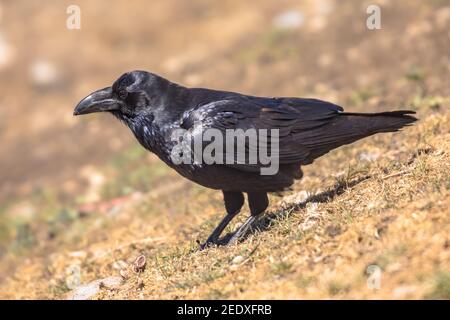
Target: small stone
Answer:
pixel 237 260
pixel 110 282
pixel 291 19
pixel 87 291
pixel 44 74
pixel 84 292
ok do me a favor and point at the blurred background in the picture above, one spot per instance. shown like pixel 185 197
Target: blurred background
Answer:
pixel 52 164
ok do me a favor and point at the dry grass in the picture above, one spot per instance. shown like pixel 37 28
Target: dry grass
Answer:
pixel 391 212
pixel 380 203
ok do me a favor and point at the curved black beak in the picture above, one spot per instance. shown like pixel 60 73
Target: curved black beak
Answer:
pixel 98 101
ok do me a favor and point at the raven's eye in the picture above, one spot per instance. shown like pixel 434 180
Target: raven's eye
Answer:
pixel 123 94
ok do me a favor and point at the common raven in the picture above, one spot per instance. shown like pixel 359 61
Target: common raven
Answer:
pixel 155 108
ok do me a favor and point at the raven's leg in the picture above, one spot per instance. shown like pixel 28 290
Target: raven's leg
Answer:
pixel 258 203
pixel 233 204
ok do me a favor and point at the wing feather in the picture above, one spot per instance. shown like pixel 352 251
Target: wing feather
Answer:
pixel 298 121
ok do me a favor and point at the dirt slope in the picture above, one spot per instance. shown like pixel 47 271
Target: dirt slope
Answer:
pixel 80 200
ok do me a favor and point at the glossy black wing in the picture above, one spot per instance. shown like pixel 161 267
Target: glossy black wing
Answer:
pixel 290 117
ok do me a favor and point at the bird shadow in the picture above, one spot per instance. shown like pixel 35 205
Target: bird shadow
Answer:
pixel 265 223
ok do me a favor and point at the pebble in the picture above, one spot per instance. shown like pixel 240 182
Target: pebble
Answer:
pixel 237 260
pixel 291 19
pixel 87 291
pixel 43 73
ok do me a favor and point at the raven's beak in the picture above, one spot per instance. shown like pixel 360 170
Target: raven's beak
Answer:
pixel 98 101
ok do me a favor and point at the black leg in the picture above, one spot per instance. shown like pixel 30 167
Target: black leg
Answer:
pixel 258 203
pixel 233 204
pixel 242 230
pixel 214 237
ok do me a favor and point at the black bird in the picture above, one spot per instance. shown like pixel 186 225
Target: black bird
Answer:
pixel 153 108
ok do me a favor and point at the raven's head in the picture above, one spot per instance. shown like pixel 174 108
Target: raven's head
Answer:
pixel 134 94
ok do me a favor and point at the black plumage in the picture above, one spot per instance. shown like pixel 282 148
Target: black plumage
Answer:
pixel 153 107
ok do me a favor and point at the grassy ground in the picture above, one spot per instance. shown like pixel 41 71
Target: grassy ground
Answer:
pixel 80 200
pixel 382 203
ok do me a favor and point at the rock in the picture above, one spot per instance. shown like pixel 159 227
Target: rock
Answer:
pixel 89 290
pixel 291 19
pixel 43 73
pixel 84 292
pixel 237 260
pixel 111 282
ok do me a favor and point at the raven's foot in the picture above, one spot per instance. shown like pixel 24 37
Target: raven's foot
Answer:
pixel 209 243
pixel 213 239
pixel 241 232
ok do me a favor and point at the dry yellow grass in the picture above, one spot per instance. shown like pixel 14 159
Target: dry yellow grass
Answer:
pixel 380 203
pixel 391 212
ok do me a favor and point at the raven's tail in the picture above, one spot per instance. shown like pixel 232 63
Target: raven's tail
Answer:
pixel 349 127
pixel 372 123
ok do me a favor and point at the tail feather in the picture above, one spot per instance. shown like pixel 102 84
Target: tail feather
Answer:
pixel 349 127
pixel 372 123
